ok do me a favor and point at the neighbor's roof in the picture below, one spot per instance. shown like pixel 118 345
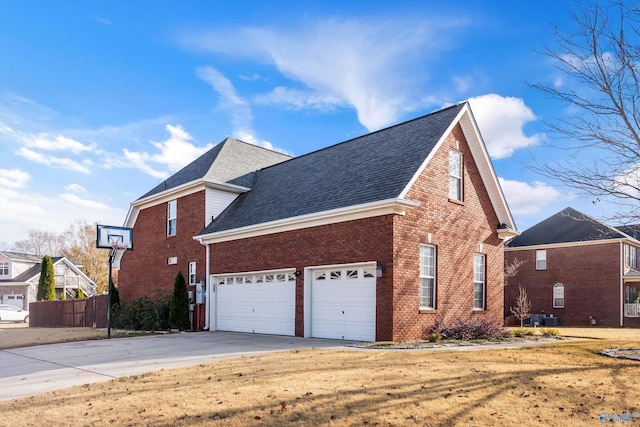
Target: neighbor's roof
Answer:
pixel 567 226
pixel 230 161
pixel 374 167
pixel 32 271
pixel 16 256
pixel 632 230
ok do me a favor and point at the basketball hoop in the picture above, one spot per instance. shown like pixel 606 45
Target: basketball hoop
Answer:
pixel 119 247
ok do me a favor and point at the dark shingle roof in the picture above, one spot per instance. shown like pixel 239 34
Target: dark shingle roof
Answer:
pixel 632 230
pixel 373 167
pixel 566 226
pixel 230 161
pixel 32 271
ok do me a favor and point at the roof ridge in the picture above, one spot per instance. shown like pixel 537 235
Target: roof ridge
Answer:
pixel 367 135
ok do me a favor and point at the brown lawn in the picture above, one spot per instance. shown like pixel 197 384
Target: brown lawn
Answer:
pixel 562 383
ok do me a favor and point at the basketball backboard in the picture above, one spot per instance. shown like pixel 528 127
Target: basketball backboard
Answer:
pixel 110 237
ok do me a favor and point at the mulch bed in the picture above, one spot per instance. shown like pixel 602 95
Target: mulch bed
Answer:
pixel 622 353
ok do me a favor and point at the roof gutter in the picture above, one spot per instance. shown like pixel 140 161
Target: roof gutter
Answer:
pixel 395 206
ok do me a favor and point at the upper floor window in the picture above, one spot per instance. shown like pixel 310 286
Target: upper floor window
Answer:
pixel 4 268
pixel 455 175
pixel 558 295
pixel 61 269
pixel 172 217
pixel 631 256
pixel 427 277
pixel 192 273
pixel 479 282
pixel 541 260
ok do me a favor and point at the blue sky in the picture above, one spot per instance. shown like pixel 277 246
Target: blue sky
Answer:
pixel 101 100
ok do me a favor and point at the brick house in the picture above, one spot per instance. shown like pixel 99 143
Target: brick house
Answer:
pixel 578 270
pixel 371 239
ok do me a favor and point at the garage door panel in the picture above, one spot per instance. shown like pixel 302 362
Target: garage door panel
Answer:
pixel 343 304
pixel 267 308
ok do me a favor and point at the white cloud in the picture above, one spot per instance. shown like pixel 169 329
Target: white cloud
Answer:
pixel 527 199
pixel 56 143
pixel 55 162
pixel 25 210
pixel 374 65
pixel 300 99
pixel 501 121
pixel 13 178
pixel 628 182
pixel 75 188
pixel 175 152
pixel 236 107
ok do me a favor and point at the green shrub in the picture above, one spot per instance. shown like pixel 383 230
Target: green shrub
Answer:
pixel 550 332
pixel 522 332
pixel 142 314
pixel 80 293
pixel 47 282
pixel 179 305
pixel 465 331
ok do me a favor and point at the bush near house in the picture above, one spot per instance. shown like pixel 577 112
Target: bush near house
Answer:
pixel 47 282
pixel 460 330
pixel 179 306
pixel 142 314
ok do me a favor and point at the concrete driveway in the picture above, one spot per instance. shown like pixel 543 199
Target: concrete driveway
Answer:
pixel 32 370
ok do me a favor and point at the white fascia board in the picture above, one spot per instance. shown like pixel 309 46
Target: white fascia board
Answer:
pixel 487 172
pixel 394 206
pixel 563 245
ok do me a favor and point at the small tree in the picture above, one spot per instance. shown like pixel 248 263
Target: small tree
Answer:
pixel 179 305
pixel 63 295
pixel 80 293
pixel 47 282
pixel 523 306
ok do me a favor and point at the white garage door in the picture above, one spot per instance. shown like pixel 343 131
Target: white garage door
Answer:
pixel 15 300
pixel 343 303
pixel 261 303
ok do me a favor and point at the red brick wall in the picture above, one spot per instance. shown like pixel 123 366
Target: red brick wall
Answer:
pixel 457 230
pixel 145 270
pixel 362 240
pixel 590 275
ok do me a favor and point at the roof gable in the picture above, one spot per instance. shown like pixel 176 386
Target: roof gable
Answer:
pixel 374 167
pixel 228 161
pixel 567 226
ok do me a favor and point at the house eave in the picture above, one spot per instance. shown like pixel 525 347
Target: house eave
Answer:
pixel 394 206
pixel 563 245
pixel 507 233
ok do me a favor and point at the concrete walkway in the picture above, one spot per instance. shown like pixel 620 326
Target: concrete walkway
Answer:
pixel 31 370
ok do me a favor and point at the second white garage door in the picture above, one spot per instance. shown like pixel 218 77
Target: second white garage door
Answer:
pixel 261 303
pixel 343 303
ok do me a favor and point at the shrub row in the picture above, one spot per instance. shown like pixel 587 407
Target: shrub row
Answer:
pixel 142 314
pixel 459 330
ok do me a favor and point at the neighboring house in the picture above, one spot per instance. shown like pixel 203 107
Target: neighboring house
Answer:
pixel 579 270
pixel 20 274
pixel 374 238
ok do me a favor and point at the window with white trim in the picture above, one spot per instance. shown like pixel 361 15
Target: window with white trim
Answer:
pixel 558 295
pixel 427 277
pixel 4 268
pixel 631 256
pixel 172 217
pixel 479 282
pixel 192 273
pixel 541 260
pixel 455 175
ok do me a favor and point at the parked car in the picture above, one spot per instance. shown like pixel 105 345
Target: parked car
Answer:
pixel 13 314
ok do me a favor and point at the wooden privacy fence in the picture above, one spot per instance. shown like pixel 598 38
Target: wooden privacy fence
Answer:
pixel 86 312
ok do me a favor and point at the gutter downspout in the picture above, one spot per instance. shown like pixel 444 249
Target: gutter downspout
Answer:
pixel 209 293
pixel 622 261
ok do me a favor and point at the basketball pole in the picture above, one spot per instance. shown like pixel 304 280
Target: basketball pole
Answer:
pixel 112 253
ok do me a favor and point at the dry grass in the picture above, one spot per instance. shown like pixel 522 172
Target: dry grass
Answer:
pixel 564 383
pixel 14 335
